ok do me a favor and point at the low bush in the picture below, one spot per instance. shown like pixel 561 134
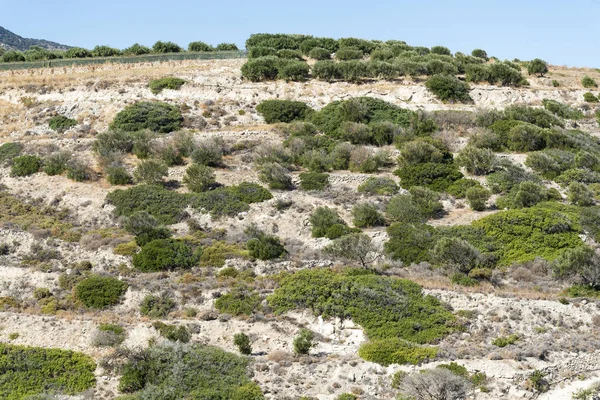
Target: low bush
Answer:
pixel 379 186
pixel 323 219
pixel 366 215
pixel 293 71
pixel 455 253
pixel 158 85
pixel 199 178
pixel 479 53
pixel 395 351
pixel 108 335
pixel 326 70
pixel 537 67
pixel 25 165
pixel 172 332
pixel 166 47
pixel 100 292
pixel 580 195
pixel 477 197
pixel 241 300
pixel 319 54
pixel 154 116
pixel 8 151
pixel 354 248
pixel 208 152
pixel 505 341
pixel 30 371
pixel 459 188
pixel 449 89
pixel 313 181
pixel 136 50
pixel 435 176
pixel 57 163
pixel 242 341
pixel 157 306
pixel 477 161
pixel 435 384
pixel 164 254
pixel 105 51
pixel 588 82
pixel 150 172
pixel 283 110
pixel 226 47
pixel 304 341
pixel 590 98
pixel 13 56
pixel 348 53
pixel 370 300
pixel 200 46
pixel 118 176
pixel 265 247
pixel 260 69
pixel 561 110
pixel 177 371
pixel 78 52
pixel 276 176
pixel 60 123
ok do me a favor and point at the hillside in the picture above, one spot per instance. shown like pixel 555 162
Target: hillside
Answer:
pixel 12 41
pixel 151 213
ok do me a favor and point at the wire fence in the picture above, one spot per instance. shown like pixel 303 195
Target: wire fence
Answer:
pixel 212 55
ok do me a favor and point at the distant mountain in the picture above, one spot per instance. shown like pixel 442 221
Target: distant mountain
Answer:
pixel 11 41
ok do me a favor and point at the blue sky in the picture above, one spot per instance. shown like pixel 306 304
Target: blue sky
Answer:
pixel 561 32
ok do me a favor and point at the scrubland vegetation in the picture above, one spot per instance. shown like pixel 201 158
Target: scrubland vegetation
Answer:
pixel 330 210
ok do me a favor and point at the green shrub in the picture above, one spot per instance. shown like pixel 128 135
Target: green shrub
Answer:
pixel 241 300
pixel 525 194
pixel 262 51
pixel 226 47
pixel 164 254
pixel 353 71
pixel 322 219
pixel 78 52
pixel 449 89
pixel 118 176
pixel 8 151
pixel 366 215
pixel 177 371
pixel 276 176
pixel 580 195
pixel 105 51
pixel 242 341
pixel 251 193
pixel 283 110
pixel 136 50
pixel 199 178
pixel 265 247
pixel 503 73
pixel 158 85
pixel 304 341
pixel 349 53
pixel 260 69
pixel 326 70
pixel 537 67
pixel 581 262
pixel 79 171
pixel 347 396
pixel 480 54
pixel 477 197
pixel 319 54
pixel 588 82
pixel 435 176
pixel 295 71
pixel 173 333
pixel 157 306
pixel 441 50
pixel 354 248
pixel 505 341
pixel 561 110
pixel 313 181
pixel 459 188
pixel 13 56
pixel 455 253
pixel 154 116
pixel 150 172
pixel 590 98
pixel 25 165
pixel 555 83
pixel 395 351
pixel 477 161
pixel 370 300
pixel 30 371
pixel 200 46
pixel 113 142
pixel 166 47
pixel 60 123
pixel 402 208
pixel 56 163
pixel 109 335
pixel 379 186
pixel 100 292
pixel 208 152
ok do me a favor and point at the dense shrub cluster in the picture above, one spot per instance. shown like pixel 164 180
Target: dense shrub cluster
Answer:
pixel 370 300
pixel 449 89
pixel 187 370
pixel 158 85
pixel 263 246
pixel 60 123
pixel 157 306
pixel 154 116
pixel 25 165
pixel 31 371
pixel 283 110
pixel 241 300
pixel 99 292
pixel 327 223
pixel 164 254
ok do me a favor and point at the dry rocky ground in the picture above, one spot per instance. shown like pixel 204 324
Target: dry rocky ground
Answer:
pixel 561 339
